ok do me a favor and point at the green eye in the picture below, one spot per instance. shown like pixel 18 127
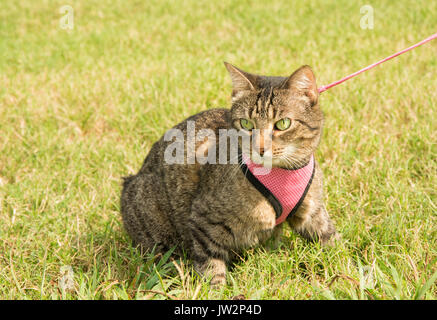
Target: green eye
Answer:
pixel 246 124
pixel 283 124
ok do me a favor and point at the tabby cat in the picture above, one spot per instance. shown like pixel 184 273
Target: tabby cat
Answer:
pixel 213 210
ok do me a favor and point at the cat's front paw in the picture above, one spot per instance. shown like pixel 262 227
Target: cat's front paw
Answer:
pixel 218 280
pixel 214 269
pixel 332 240
pixel 275 240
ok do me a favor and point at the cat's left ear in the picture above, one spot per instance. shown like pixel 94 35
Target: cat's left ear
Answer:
pixel 304 82
pixel 241 80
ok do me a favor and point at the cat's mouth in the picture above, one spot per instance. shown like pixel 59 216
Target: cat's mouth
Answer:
pixel 271 159
pixel 266 160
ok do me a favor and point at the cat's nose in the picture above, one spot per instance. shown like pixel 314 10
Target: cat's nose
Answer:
pixel 261 151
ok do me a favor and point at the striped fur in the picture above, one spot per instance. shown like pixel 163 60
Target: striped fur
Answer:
pixel 212 211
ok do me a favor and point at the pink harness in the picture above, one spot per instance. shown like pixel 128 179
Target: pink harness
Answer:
pixel 285 189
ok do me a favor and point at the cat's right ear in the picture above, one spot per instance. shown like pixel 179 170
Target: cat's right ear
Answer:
pixel 304 82
pixel 241 81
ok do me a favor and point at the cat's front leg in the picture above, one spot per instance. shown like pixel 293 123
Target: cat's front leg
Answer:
pixel 273 242
pixel 312 220
pixel 314 223
pixel 208 248
pixel 212 268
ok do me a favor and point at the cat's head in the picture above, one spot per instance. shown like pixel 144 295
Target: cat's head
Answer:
pixel 281 116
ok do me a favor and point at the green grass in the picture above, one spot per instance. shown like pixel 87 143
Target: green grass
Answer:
pixel 80 109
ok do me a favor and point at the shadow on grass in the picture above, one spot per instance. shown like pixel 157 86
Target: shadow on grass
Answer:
pixel 107 266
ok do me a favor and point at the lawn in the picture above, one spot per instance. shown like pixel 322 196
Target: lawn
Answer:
pixel 81 107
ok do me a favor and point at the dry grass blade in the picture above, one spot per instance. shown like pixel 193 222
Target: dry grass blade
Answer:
pixel 165 294
pixel 179 269
pixel 345 277
pixel 196 292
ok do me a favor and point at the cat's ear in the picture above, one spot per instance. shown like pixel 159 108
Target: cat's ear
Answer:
pixel 241 80
pixel 304 82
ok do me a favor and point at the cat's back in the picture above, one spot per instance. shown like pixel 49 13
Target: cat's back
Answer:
pixel 176 180
pixel 156 200
pixel 212 120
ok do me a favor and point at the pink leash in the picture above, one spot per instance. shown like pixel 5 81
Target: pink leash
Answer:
pixel 324 88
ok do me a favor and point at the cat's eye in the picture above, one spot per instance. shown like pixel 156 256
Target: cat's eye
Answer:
pixel 246 124
pixel 283 124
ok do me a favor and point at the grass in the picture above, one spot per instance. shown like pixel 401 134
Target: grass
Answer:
pixel 80 108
